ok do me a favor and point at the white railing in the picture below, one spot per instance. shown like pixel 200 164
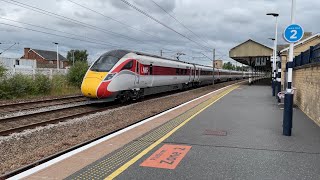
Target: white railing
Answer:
pixel 33 71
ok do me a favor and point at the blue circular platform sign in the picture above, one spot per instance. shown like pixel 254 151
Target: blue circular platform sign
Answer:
pixel 293 33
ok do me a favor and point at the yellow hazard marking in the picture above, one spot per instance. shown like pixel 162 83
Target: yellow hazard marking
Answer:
pixel 145 151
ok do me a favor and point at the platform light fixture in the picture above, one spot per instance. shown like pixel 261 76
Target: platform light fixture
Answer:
pixel 274 67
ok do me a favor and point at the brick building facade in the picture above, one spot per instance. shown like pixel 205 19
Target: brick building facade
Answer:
pixel 307 96
pixel 44 58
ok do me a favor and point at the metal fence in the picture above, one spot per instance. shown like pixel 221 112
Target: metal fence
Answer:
pixel 312 55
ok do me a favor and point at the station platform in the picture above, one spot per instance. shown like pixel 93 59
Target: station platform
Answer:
pixel 232 133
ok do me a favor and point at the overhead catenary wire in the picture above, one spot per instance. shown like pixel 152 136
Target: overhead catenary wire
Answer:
pixel 42 27
pixel 110 45
pixel 58 35
pixel 180 22
pixel 183 25
pixel 120 22
pixel 7 48
pixel 161 23
pixel 52 14
pixel 39 10
pixel 113 19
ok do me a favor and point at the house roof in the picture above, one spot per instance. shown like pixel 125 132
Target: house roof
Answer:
pixel 301 42
pixel 49 55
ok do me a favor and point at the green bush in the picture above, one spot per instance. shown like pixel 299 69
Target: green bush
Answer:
pixel 77 72
pixel 25 86
pixel 21 86
pixel 41 85
pixel 2 71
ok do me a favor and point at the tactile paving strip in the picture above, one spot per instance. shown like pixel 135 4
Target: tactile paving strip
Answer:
pixel 101 168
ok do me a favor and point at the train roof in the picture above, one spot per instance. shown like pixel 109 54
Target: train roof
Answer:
pixel 119 53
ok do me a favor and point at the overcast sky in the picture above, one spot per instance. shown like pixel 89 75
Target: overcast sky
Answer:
pixel 219 24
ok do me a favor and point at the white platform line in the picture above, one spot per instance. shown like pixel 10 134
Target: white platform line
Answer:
pixel 73 152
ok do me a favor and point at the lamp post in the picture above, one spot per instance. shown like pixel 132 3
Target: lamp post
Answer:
pixel 288 98
pixel 57 54
pixel 72 57
pixel 274 84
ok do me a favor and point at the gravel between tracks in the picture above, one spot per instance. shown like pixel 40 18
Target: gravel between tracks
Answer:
pixel 24 148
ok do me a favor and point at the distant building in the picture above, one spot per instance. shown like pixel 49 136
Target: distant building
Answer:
pixel 44 58
pixel 218 63
pixel 10 63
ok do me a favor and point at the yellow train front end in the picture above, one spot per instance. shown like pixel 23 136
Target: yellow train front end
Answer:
pixel 91 83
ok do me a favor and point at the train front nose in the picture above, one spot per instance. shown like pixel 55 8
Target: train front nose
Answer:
pixel 91 83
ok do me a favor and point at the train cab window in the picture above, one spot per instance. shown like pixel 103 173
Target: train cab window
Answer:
pixel 104 63
pixel 128 65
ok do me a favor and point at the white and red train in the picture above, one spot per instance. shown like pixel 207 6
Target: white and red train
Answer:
pixel 124 75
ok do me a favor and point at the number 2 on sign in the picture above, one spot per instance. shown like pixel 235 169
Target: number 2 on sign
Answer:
pixel 171 158
pixel 294 35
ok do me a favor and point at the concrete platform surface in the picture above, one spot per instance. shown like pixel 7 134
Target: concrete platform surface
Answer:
pixel 253 147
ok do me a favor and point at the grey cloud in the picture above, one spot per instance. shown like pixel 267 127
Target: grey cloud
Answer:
pixel 222 24
pixel 2 12
pixel 82 15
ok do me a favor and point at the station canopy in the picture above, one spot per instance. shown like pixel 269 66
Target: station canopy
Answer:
pixel 253 54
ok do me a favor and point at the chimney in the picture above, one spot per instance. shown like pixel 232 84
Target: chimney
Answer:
pixel 26 53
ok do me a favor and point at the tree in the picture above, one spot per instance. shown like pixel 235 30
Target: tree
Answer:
pixel 79 55
pixel 77 72
pixel 228 65
pixel 239 68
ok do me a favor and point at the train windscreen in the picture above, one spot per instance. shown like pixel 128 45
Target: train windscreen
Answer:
pixel 104 63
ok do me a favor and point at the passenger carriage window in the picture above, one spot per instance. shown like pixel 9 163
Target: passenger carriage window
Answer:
pixel 128 65
pixel 151 69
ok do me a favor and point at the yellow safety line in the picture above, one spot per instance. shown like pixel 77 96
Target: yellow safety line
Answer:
pixel 137 157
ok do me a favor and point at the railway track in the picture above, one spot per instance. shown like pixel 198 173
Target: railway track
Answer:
pixel 28 121
pixel 31 120
pixel 31 105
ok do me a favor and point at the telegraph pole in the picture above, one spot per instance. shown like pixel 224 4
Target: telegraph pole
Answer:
pixel 161 52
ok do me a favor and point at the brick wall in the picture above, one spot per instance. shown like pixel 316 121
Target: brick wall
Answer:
pixel 307 95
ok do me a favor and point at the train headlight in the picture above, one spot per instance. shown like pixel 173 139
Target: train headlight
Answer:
pixel 110 76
